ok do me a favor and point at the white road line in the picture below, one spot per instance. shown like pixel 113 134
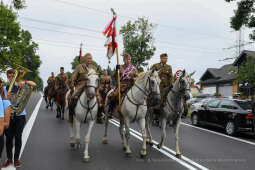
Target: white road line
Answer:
pixel 160 150
pixel 220 134
pixel 27 131
pixel 169 150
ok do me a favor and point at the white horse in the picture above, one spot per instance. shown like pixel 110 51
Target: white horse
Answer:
pixel 173 110
pixel 85 112
pixel 134 108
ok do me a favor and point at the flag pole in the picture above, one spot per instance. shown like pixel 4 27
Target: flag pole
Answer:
pixel 80 56
pixel 118 66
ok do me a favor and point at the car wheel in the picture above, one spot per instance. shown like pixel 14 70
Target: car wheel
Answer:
pixel 230 128
pixel 195 120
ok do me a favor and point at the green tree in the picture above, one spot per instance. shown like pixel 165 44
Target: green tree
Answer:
pixel 9 38
pixel 18 4
pixel 138 41
pixel 244 16
pixel 29 58
pixel 75 62
pixel 17 47
pixel 246 73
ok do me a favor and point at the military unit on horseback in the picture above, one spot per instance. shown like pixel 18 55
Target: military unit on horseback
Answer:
pixel 89 97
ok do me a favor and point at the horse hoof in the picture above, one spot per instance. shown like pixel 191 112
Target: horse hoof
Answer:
pixel 128 154
pixel 149 143
pixel 179 156
pixel 72 145
pixel 158 146
pixel 143 156
pixel 86 160
pixel 105 141
pixel 62 118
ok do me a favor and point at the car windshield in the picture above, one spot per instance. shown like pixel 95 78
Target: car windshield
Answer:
pixel 246 105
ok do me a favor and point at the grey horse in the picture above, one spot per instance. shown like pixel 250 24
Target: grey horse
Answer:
pixel 172 110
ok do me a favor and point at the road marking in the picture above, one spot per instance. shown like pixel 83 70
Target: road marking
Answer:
pixel 27 130
pixel 138 136
pixel 220 134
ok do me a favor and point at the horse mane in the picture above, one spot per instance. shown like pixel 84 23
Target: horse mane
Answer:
pixel 91 71
pixel 140 76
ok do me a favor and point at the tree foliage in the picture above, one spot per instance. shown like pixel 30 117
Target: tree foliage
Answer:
pixel 244 15
pixel 10 53
pixel 246 73
pixel 17 47
pixel 138 41
pixel 19 4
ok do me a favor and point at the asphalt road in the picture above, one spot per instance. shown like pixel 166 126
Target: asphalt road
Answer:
pixel 48 148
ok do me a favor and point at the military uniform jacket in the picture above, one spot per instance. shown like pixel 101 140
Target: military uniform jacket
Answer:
pixel 61 78
pixel 165 74
pixel 51 80
pixel 79 76
pixel 128 81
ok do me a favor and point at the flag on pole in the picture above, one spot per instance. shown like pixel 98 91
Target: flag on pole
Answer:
pixel 80 53
pixel 110 33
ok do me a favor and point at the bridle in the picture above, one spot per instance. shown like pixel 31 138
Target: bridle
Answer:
pixel 88 108
pixel 145 91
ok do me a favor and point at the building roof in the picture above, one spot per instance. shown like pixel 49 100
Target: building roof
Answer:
pixel 220 75
pixel 242 56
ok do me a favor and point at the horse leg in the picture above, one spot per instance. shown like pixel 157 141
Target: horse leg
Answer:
pixel 57 111
pixel 87 140
pixel 178 153
pixel 142 126
pixel 163 136
pixel 62 111
pixel 51 104
pixel 72 134
pixel 77 133
pixel 105 128
pixel 147 127
pixel 127 136
pixel 121 131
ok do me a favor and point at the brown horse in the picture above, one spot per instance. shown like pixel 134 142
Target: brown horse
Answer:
pixel 103 90
pixel 60 99
pixel 49 95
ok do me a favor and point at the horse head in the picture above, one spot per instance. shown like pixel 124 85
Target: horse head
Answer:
pixel 150 81
pixel 92 83
pixel 183 83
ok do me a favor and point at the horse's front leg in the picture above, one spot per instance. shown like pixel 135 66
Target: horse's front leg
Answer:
pixel 127 137
pixel 105 127
pixel 178 153
pixel 163 135
pixel 62 112
pixel 72 133
pixel 87 140
pixel 147 127
pixel 142 126
pixel 121 131
pixel 77 127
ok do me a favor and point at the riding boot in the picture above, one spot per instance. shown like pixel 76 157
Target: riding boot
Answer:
pixel 72 107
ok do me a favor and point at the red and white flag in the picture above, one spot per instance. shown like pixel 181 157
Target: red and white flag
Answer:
pixel 110 33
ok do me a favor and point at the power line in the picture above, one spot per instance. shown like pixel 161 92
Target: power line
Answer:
pixel 123 16
pixel 57 24
pixel 172 45
pixel 63 32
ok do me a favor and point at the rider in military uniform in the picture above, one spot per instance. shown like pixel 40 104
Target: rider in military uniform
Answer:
pixel 51 80
pixel 61 77
pixel 128 74
pixel 105 85
pixel 78 81
pixel 166 76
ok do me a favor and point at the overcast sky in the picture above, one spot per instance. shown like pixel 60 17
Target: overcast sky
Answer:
pixel 192 32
